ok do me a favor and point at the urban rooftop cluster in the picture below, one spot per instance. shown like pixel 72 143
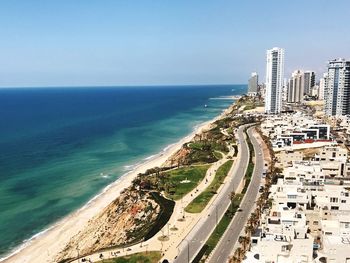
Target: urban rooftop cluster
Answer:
pixel 306 125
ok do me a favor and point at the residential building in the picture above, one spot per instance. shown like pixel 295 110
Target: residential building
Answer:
pixel 309 82
pixel 337 92
pixel 323 83
pixel 253 84
pixel 282 237
pixel 296 87
pixel 274 80
pixel 315 91
pixel 262 90
pixel 295 131
pixel 285 90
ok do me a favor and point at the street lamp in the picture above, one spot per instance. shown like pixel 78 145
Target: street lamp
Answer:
pixel 78 253
pixel 216 214
pixel 188 250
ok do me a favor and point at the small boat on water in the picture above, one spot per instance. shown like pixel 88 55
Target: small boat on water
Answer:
pixel 205 106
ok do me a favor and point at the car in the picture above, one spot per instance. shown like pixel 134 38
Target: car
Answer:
pixel 239 210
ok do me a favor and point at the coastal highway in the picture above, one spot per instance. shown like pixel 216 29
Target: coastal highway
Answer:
pixel 191 245
pixel 226 245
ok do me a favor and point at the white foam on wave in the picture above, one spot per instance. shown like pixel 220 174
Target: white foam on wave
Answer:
pixel 223 98
pixel 150 157
pixel 168 147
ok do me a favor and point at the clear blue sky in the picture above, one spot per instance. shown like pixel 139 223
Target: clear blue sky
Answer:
pixel 67 42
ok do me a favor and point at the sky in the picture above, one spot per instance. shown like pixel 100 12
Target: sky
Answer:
pixel 163 42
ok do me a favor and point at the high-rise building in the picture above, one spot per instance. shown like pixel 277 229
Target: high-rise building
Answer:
pixel 323 83
pixel 309 82
pixel 284 90
pixel 315 91
pixel 296 87
pixel 337 88
pixel 253 84
pixel 274 80
pixel 262 90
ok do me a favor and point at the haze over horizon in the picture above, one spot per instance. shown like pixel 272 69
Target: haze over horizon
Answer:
pixel 82 43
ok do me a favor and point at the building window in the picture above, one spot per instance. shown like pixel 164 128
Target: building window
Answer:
pixel 334 200
pixel 284 248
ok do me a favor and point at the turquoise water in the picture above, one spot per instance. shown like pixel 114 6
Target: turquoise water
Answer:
pixel 61 146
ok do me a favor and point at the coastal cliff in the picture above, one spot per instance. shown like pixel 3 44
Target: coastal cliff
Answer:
pixel 124 221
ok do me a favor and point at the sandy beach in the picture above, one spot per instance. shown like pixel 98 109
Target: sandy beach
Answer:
pixel 45 246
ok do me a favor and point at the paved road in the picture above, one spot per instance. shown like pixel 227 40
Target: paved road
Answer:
pixel 189 247
pixel 226 245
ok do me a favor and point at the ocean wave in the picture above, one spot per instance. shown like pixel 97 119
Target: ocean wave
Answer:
pixel 168 147
pixel 26 243
pixel 151 157
pixel 131 167
pixel 105 175
pixel 223 98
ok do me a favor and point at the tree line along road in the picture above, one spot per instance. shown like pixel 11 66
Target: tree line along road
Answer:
pixel 191 245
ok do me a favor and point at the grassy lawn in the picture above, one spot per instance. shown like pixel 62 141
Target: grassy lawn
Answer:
pixel 200 202
pixel 176 190
pixel 150 257
pixel 218 155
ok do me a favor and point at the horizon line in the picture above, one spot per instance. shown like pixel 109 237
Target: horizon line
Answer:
pixel 117 86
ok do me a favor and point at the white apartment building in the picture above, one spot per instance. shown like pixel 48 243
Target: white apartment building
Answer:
pixel 274 80
pixel 333 204
pixel 288 130
pixel 337 90
pixel 253 84
pixel 282 237
pixel 322 88
pixel 296 87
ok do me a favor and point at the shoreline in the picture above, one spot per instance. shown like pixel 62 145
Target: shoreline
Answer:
pixel 44 245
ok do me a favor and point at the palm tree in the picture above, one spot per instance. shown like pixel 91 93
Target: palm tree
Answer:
pixel 249 230
pixel 260 203
pixel 239 253
pixel 234 259
pixel 253 218
pixel 244 241
pixel 232 197
pixel 257 212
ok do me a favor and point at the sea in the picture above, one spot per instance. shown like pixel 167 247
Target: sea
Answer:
pixel 61 146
